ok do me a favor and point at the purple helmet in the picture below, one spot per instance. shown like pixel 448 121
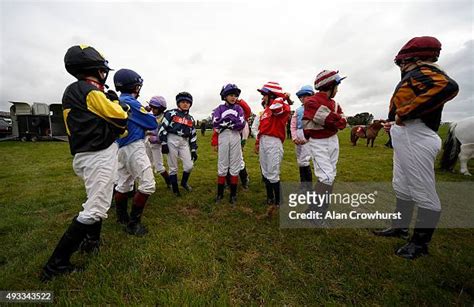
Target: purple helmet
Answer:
pixel 157 102
pixel 229 89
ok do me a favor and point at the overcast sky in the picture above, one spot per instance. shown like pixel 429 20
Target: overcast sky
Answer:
pixel 198 46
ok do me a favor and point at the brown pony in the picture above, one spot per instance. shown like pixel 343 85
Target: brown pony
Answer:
pixel 366 132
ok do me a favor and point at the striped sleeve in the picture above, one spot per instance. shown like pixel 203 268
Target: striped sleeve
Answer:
pixel 321 115
pixel 279 107
pixel 215 117
pixel 424 91
pixel 193 138
pixel 328 119
pixel 163 132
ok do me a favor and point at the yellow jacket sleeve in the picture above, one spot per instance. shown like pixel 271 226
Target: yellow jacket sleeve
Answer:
pixel 112 112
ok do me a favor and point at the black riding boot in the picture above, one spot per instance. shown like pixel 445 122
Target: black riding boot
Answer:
pixel 276 192
pixel 426 221
pixel 302 175
pixel 309 176
pixel 121 207
pixel 323 189
pixel 244 178
pixel 399 227
pixel 91 242
pixel 270 194
pixel 220 192
pixel 271 199
pixel 321 208
pixel 174 184
pixel 233 194
pixel 166 177
pixel 184 181
pixel 306 178
pixel 135 226
pixel 59 262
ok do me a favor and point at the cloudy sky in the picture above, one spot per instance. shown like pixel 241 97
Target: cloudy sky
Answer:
pixel 198 46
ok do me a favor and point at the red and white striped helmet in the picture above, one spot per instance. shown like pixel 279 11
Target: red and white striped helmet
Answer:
pixel 272 87
pixel 327 79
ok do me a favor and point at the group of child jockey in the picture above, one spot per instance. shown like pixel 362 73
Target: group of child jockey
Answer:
pixel 314 128
pixel 117 142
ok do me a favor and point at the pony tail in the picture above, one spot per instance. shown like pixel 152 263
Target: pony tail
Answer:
pixel 451 150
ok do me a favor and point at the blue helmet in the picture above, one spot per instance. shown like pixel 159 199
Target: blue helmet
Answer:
pixel 229 89
pixel 184 96
pixel 305 90
pixel 126 80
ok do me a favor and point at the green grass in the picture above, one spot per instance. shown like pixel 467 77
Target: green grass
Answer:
pixel 199 254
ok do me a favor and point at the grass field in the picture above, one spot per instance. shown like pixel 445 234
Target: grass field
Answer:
pixel 200 254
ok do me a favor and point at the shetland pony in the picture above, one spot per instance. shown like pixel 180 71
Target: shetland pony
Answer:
pixel 459 144
pixel 369 132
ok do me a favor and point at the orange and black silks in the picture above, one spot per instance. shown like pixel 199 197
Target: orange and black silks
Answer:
pixel 422 93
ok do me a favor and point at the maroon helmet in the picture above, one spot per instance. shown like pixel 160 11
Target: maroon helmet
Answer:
pixel 423 47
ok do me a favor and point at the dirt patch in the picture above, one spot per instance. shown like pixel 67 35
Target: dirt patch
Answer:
pixel 190 212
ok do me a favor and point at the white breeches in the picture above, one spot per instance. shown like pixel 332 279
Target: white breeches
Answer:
pixel 230 153
pixel 303 155
pixel 98 170
pixel 325 153
pixel 135 165
pixel 179 148
pixel 156 157
pixel 271 155
pixel 415 147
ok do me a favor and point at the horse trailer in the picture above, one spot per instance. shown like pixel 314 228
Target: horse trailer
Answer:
pixel 37 122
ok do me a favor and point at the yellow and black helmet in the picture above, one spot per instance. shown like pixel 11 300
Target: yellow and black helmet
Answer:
pixel 82 58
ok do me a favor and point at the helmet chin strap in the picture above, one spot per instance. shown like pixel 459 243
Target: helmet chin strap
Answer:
pixel 137 91
pixel 332 92
pixel 105 78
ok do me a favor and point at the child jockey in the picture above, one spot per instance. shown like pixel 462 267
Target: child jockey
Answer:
pixel 93 124
pixel 179 140
pixel 303 153
pixel 322 119
pixel 416 107
pixel 228 121
pixel 157 105
pixel 244 177
pixel 269 142
pixel 134 164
